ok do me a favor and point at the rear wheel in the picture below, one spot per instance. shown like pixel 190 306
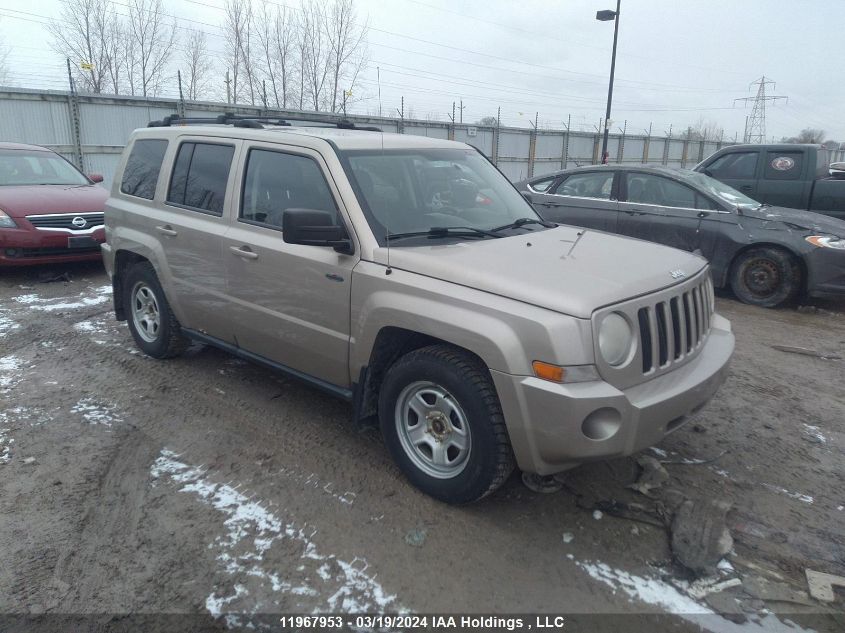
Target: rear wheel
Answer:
pixel 151 321
pixel 443 424
pixel 765 277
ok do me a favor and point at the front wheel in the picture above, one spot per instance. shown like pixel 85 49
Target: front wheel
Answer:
pixel 151 321
pixel 765 277
pixel 442 422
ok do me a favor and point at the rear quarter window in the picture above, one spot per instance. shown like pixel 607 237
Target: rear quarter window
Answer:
pixel 200 175
pixel 784 165
pixel 140 175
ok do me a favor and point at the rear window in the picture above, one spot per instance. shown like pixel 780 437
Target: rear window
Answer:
pixel 784 165
pixel 199 178
pixel 140 175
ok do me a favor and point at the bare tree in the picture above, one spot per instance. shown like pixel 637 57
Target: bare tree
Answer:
pixel 487 120
pixel 83 33
pixel 347 48
pixel 239 49
pixel 277 36
pixel 153 40
pixel 198 65
pixel 807 135
pixel 705 130
pixel 314 54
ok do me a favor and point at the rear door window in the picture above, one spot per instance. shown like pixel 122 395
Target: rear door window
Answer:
pixel 734 166
pixel 784 165
pixel 199 177
pixel 651 189
pixel 276 181
pixel 594 184
pixel 140 176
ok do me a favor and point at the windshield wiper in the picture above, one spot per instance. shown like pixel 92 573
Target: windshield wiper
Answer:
pixel 445 231
pixel 522 222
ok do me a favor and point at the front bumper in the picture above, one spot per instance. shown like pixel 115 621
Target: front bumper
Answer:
pixel 825 273
pixel 554 427
pixel 25 246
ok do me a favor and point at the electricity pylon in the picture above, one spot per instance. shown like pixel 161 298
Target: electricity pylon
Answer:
pixel 755 125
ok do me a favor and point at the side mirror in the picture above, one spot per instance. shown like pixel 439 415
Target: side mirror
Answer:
pixel 95 177
pixel 527 197
pixel 311 227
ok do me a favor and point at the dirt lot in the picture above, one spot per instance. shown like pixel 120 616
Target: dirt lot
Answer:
pixel 208 486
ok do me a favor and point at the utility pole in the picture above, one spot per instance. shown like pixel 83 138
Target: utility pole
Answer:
pixel 181 96
pixel 462 111
pixel 73 104
pixel 228 88
pixel 605 16
pixel 264 94
pixel 378 79
pixel 755 127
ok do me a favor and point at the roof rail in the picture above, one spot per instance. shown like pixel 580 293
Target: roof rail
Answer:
pixel 248 121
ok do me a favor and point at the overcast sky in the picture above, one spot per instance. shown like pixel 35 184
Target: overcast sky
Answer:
pixel 678 60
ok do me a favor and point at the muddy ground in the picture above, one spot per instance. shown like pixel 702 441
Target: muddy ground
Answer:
pixel 208 486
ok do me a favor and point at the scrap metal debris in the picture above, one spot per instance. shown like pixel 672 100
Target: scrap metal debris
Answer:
pixel 772 591
pixel 821 584
pixel 804 351
pixel 416 537
pixel 700 535
pixel 653 475
pixel 538 483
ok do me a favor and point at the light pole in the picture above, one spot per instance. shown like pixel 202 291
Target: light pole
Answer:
pixel 606 16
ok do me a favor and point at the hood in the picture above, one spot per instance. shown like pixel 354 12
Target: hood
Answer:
pixel 549 269
pixel 19 201
pixel 797 219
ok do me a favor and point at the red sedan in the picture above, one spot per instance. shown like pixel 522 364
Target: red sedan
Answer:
pixel 50 212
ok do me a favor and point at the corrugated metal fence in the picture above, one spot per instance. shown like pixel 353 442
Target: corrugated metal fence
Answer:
pixel 91 131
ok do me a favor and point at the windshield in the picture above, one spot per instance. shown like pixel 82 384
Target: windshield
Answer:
pixel 411 190
pixel 26 167
pixel 720 190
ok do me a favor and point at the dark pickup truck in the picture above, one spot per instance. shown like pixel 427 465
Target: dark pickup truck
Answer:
pixel 788 175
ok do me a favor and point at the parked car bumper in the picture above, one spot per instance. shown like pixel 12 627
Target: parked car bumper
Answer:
pixel 825 272
pixel 554 427
pixel 25 247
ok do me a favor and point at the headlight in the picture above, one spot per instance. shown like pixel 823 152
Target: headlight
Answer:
pixel 615 338
pixel 827 241
pixel 5 221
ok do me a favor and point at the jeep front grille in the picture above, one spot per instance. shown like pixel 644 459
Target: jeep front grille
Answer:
pixel 671 327
pixel 674 327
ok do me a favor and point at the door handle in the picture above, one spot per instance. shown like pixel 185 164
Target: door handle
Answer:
pixel 243 251
pixel 166 230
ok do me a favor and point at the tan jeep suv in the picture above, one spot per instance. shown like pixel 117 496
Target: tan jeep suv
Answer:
pixel 408 276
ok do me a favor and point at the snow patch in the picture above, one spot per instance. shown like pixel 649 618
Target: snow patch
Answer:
pixel 96 413
pixel 7 325
pixel 5 446
pixel 792 495
pixel 655 591
pixel 251 531
pixel 815 432
pixel 10 369
pixel 101 294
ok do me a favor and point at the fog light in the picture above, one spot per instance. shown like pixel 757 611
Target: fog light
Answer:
pixel 602 424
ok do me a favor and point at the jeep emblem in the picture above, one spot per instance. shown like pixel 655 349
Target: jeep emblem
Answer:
pixel 79 222
pixel 677 274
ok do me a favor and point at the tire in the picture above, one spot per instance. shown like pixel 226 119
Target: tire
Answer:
pixel 460 451
pixel 154 327
pixel 765 277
